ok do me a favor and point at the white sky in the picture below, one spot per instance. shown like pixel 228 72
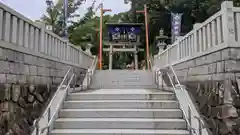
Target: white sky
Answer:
pixel 34 9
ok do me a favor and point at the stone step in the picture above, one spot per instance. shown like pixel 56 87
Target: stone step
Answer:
pixel 120 113
pixel 119 123
pixel 118 104
pixel 112 96
pixel 117 132
pixel 123 86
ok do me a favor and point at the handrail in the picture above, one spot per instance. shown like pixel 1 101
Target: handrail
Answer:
pixel 52 118
pixel 87 80
pixel 201 123
pixel 184 113
pixel 55 95
pixel 48 109
pixel 188 120
pixel 151 62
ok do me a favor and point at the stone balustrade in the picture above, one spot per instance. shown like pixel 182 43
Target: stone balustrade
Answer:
pixel 220 31
pixel 21 34
pixel 33 62
pixel 206 61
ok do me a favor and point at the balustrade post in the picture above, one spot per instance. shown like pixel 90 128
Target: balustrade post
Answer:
pixel 167 56
pixel 42 37
pixel 178 51
pixel 75 77
pixel 228 23
pixel 87 75
pixel 67 52
pixel 195 32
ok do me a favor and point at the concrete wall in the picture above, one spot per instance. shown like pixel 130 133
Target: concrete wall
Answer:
pixel 33 62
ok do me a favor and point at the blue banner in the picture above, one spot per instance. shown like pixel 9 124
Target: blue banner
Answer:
pixel 133 29
pixel 114 29
pixel 176 25
pixel 122 29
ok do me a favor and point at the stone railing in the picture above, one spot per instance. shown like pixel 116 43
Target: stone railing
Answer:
pixel 220 31
pixel 33 62
pixel 21 34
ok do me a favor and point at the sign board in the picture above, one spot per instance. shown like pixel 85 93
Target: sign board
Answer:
pixel 124 31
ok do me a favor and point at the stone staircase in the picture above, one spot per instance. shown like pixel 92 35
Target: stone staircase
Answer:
pixel 120 112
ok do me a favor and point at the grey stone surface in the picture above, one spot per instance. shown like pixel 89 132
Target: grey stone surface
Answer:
pixel 234 53
pixel 9 55
pixel 53 72
pixel 19 71
pixel 11 78
pixel 4 67
pixel 226 54
pixel 2 78
pixel 21 79
pixel 29 59
pixel 1 54
pixel 32 70
pixel 19 57
pixel 210 66
pixel 13 67
pixel 220 67
pixel 41 71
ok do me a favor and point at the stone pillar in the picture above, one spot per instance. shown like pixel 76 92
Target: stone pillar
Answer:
pixel 196 48
pixel 67 51
pixel 110 57
pixel 41 47
pixel 228 23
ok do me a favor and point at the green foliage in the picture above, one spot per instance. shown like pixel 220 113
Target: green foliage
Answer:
pixel 84 31
pixel 54 15
pixel 194 11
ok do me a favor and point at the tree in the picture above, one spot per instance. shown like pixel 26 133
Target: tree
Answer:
pixel 55 14
pixel 194 11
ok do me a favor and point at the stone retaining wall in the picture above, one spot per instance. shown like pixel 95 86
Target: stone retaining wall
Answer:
pixel 26 84
pixel 213 81
pixel 214 66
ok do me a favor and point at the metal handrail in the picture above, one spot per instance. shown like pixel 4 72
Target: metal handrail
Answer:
pixel 48 108
pixel 52 118
pixel 151 62
pixel 55 95
pixel 90 72
pixel 201 123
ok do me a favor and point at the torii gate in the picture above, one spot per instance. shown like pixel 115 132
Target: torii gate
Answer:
pixel 123 37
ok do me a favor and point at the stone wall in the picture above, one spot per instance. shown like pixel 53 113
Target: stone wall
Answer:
pixel 213 81
pixel 27 83
pixel 213 66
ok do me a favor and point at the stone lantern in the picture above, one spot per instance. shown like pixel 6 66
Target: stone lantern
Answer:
pixel 161 41
pixel 88 48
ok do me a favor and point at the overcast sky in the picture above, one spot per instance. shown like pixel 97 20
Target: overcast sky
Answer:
pixel 34 9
